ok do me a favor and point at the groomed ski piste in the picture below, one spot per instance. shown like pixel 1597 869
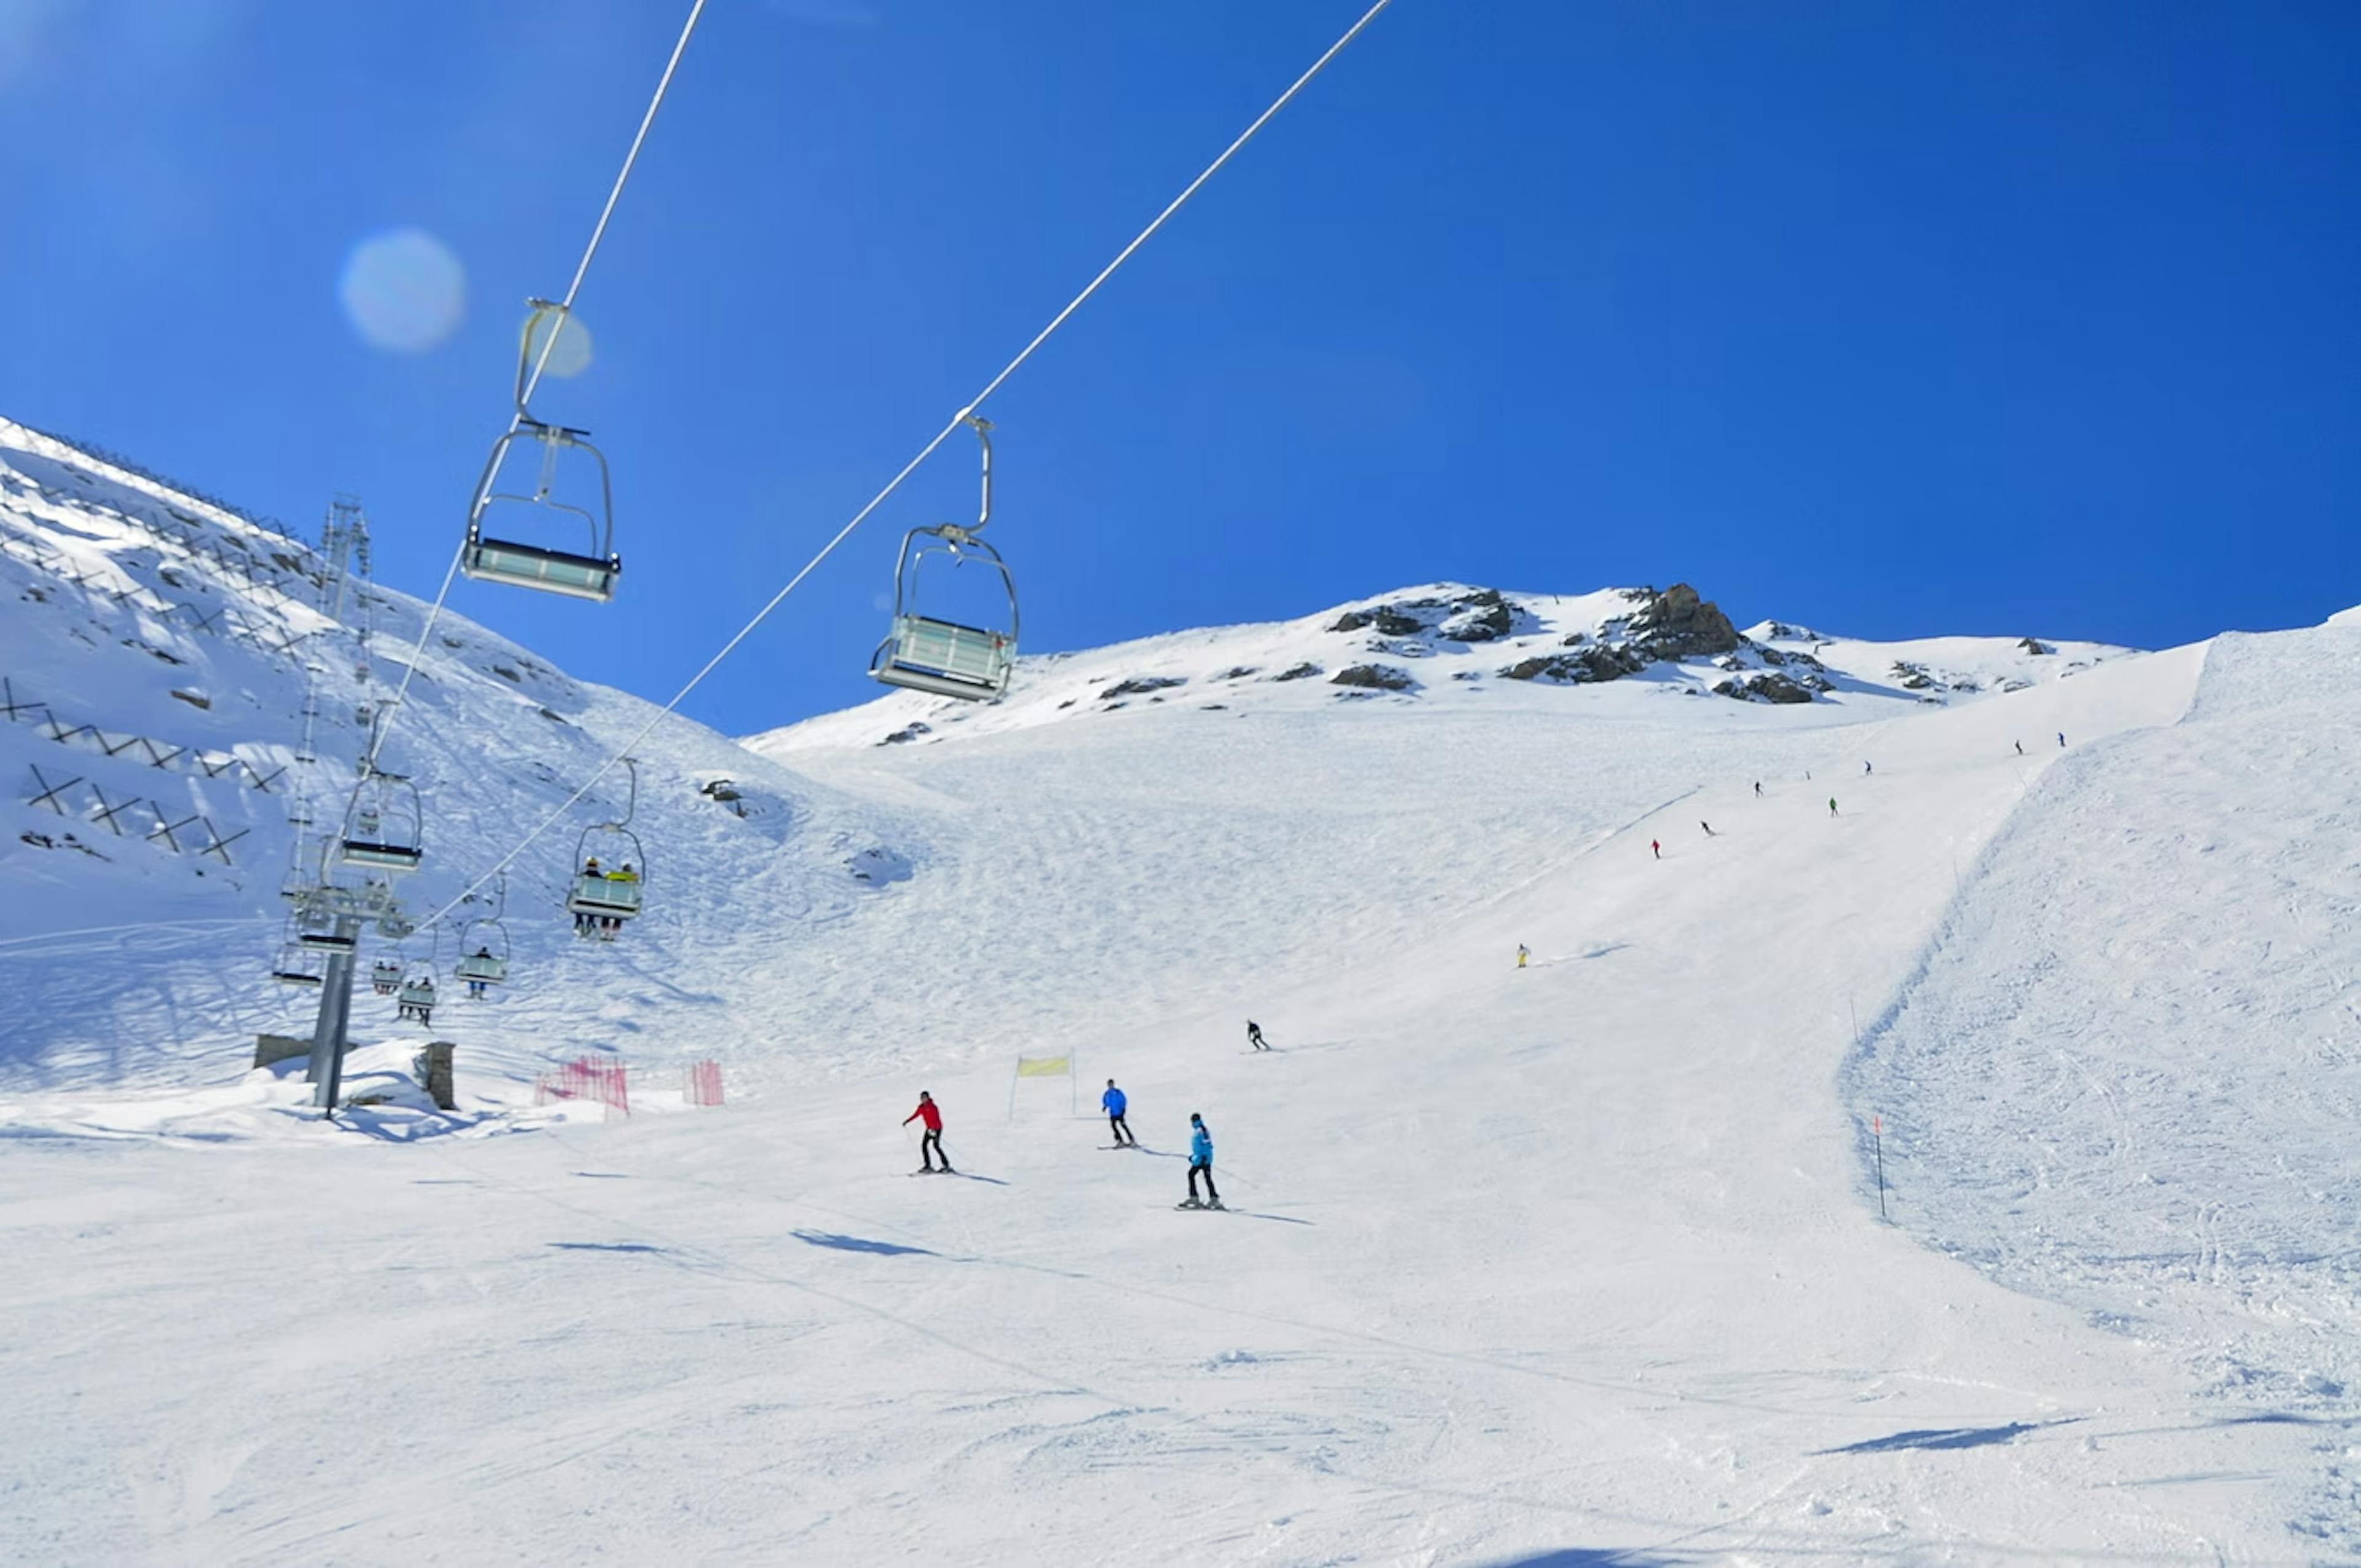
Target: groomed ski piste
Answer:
pixel 1576 1263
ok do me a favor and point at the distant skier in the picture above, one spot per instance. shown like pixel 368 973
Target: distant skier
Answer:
pixel 1867 769
pixel 1832 806
pixel 1709 828
pixel 1113 1102
pixel 1523 953
pixel 1201 1158
pixel 2020 748
pixel 1758 789
pixel 931 1142
pixel 1253 1036
pixel 1656 849
pixel 2061 740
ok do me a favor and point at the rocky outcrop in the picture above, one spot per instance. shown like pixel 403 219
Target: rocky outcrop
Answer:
pixel 1598 662
pixel 1388 621
pixel 1914 677
pixel 1374 678
pixel 1677 624
pixel 1140 686
pixel 1481 617
pixel 1297 673
pixel 1769 686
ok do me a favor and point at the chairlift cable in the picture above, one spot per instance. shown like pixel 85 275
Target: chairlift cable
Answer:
pixel 958 419
pixel 581 271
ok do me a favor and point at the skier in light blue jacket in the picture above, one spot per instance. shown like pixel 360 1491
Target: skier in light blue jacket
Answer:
pixel 1113 1102
pixel 1201 1158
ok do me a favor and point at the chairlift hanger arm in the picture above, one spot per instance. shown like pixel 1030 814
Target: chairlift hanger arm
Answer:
pixel 983 438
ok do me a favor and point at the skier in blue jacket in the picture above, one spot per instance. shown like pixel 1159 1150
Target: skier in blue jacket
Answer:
pixel 1113 1102
pixel 1201 1158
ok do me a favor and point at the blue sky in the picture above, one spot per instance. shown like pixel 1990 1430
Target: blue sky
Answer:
pixel 1894 319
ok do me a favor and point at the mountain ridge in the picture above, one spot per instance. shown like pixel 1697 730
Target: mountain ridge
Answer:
pixel 1454 640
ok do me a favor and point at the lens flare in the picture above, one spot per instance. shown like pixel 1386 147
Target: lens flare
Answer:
pixel 403 290
pixel 572 355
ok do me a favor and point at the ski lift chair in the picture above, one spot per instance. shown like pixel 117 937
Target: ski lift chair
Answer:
pixel 599 895
pixel 483 967
pixel 325 941
pixel 385 976
pixel 298 965
pixel 383 824
pixel 948 658
pixel 417 998
pixel 600 901
pixel 587 575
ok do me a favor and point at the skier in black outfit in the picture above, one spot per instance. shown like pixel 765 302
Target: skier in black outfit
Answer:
pixel 1254 1039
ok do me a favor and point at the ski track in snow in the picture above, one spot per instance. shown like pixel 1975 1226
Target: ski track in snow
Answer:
pixel 1573 1264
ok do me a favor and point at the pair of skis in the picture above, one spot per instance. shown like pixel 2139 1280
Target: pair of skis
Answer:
pixel 1192 1203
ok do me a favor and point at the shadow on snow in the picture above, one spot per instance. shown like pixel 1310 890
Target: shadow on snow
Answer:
pixel 862 1243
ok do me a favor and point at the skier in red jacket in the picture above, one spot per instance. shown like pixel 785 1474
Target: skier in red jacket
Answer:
pixel 932 1144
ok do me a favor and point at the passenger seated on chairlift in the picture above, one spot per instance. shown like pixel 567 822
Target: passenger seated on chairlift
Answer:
pixel 583 922
pixel 477 988
pixel 610 924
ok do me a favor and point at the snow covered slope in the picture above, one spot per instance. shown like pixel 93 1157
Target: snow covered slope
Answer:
pixel 1576 1262
pixel 2129 1075
pixel 183 639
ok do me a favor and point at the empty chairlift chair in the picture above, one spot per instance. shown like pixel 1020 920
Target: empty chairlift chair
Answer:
pixel 383 824
pixel 325 940
pixel 929 652
pixel 299 965
pixel 493 553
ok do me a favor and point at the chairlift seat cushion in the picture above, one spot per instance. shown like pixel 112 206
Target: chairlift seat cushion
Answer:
pixel 294 977
pixel 325 942
pixel 551 571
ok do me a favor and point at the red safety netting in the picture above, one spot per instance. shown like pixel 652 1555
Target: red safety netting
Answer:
pixel 586 1077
